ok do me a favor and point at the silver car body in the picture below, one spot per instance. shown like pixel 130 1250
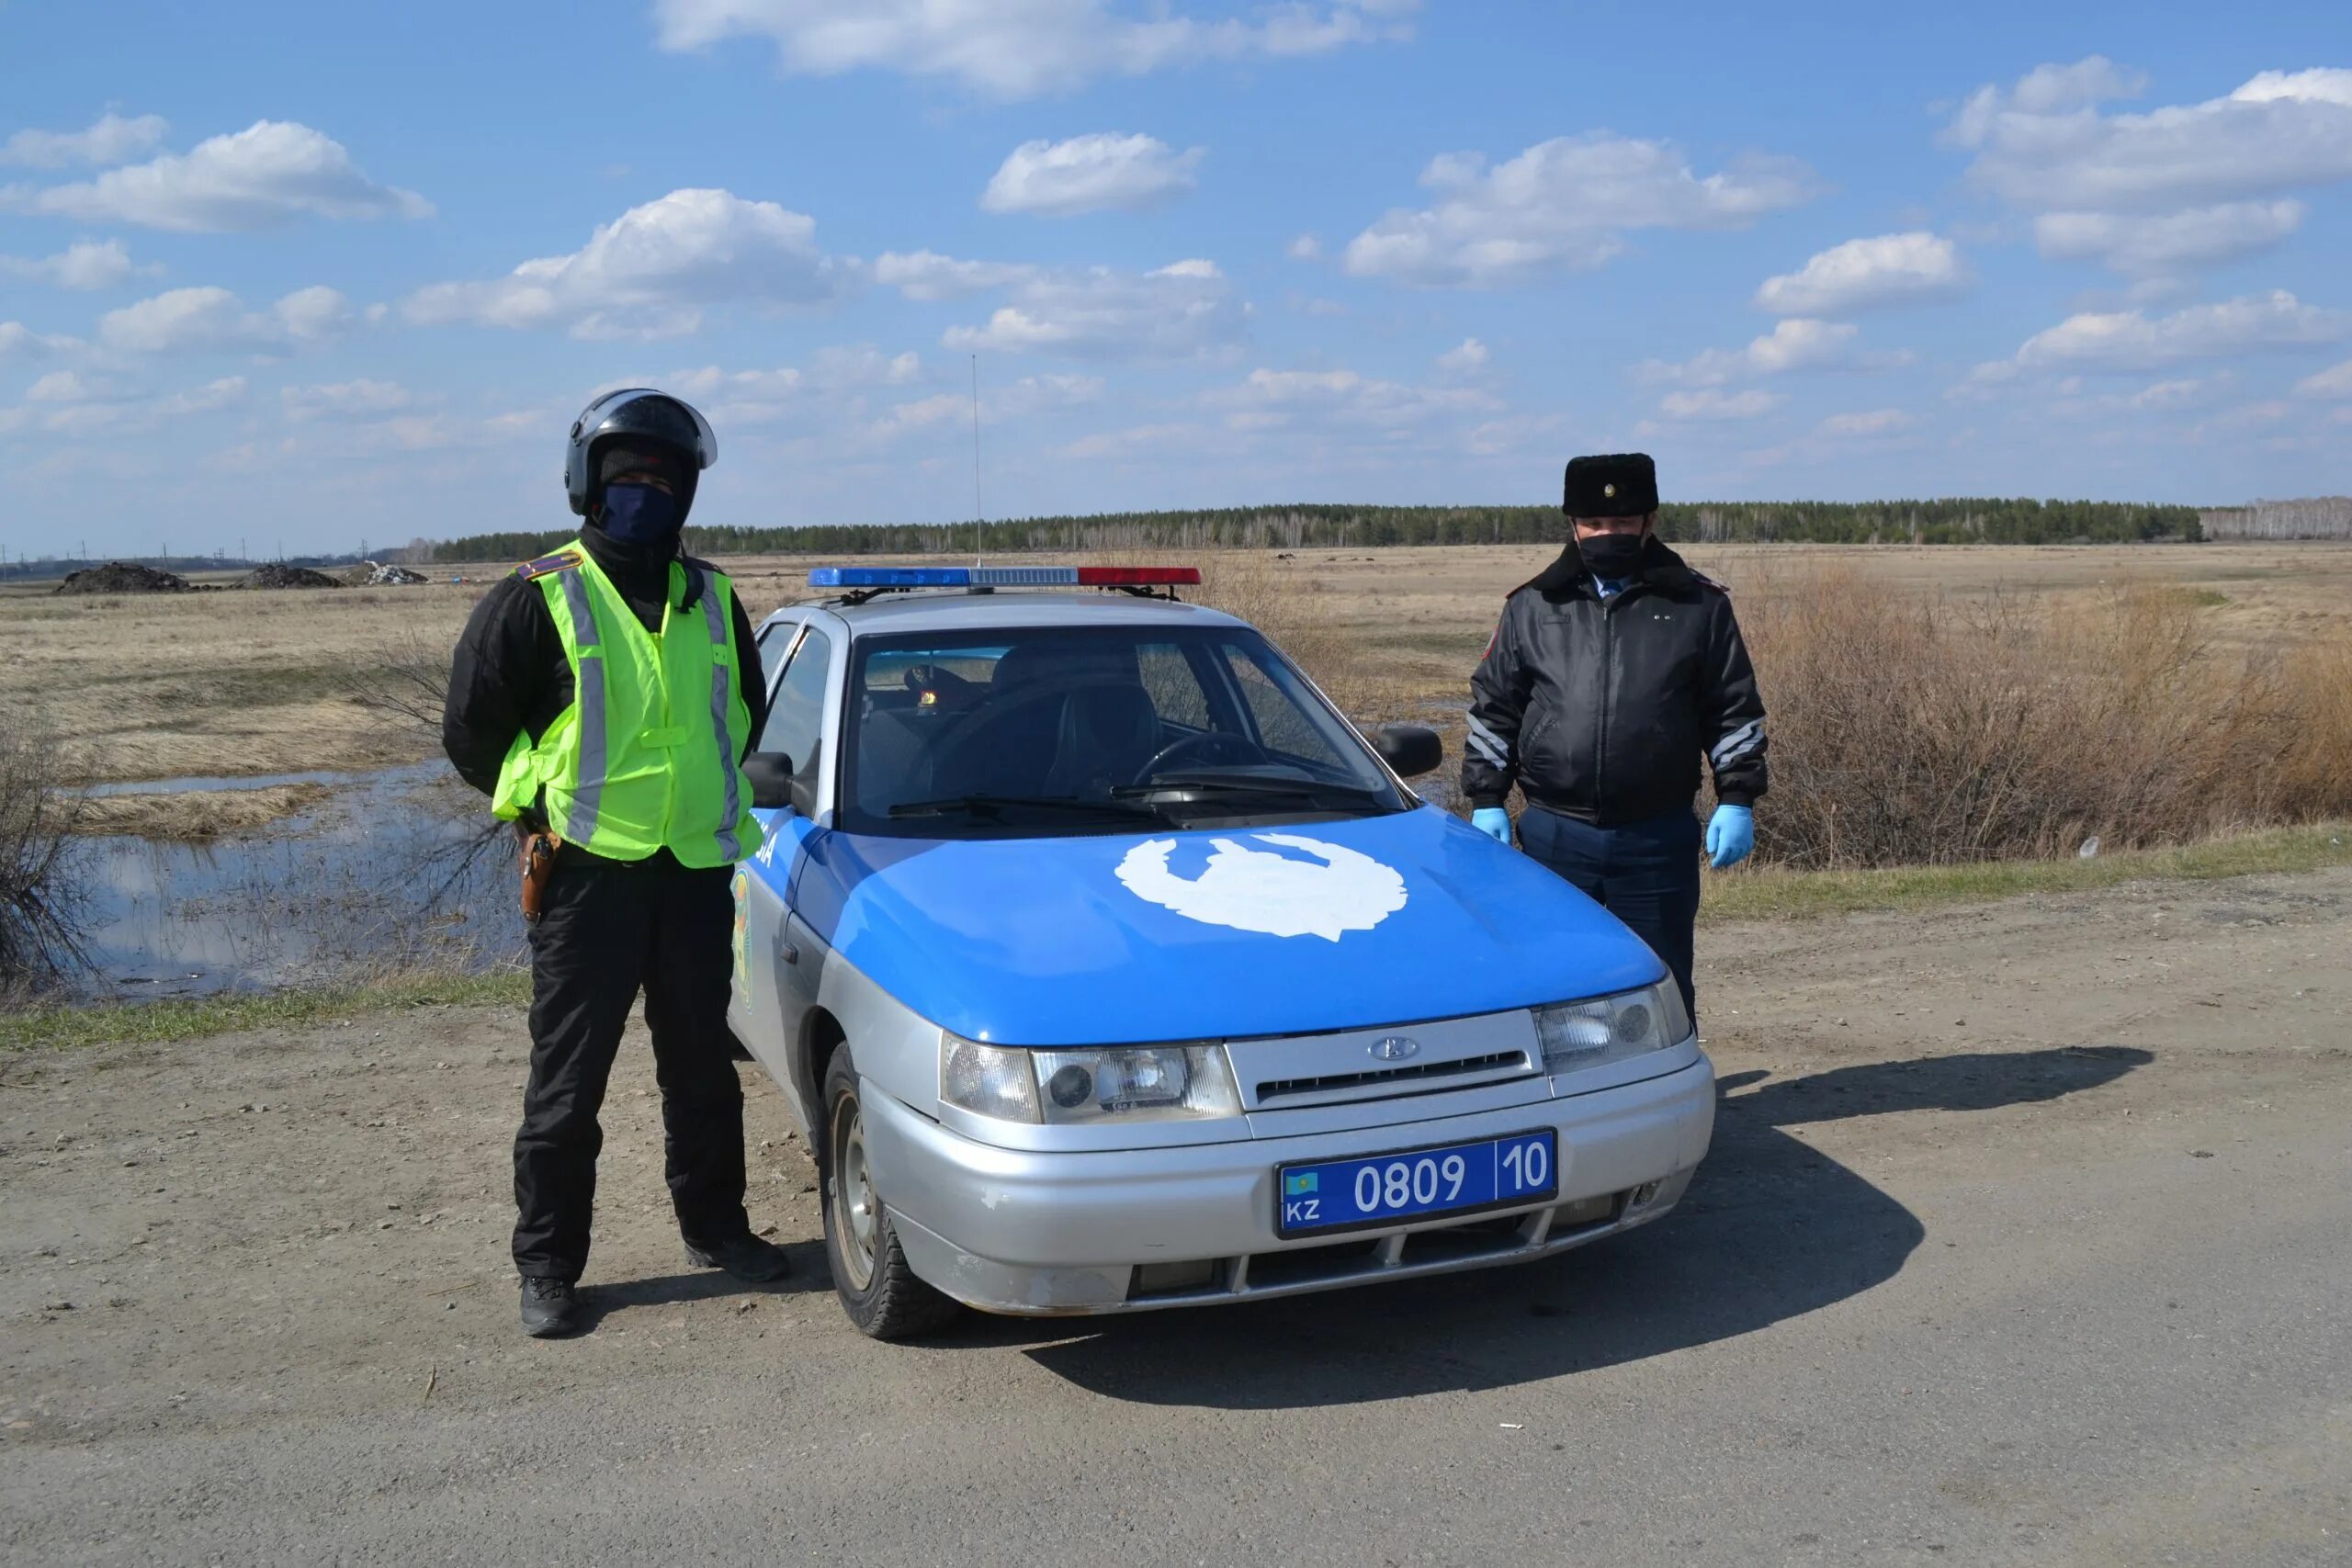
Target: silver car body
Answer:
pixel 1039 1219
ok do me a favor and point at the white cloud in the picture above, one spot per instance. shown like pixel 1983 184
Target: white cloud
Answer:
pixel 1713 403
pixel 1563 205
pixel 651 272
pixel 1305 248
pixel 361 399
pixel 184 320
pixel 1465 358
pixel 1798 342
pixel 2335 382
pixel 1019 48
pixel 19 341
pixel 63 386
pixel 86 263
pixel 226 393
pixel 262 177
pixel 111 139
pixel 1875 422
pixel 2130 340
pixel 2045 146
pixel 1862 275
pixel 2179 392
pixel 1135 441
pixel 2164 243
pixel 930 276
pixel 764 397
pixel 1270 398
pixel 1183 311
pixel 1091 174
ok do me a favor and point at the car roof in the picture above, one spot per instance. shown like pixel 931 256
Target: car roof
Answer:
pixel 959 610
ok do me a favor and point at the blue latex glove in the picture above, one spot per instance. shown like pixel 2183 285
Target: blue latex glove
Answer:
pixel 1493 821
pixel 1731 833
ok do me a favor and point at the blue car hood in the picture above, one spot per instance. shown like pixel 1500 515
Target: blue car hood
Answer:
pixel 1210 935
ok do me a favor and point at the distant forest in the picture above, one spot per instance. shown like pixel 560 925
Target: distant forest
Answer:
pixel 1962 520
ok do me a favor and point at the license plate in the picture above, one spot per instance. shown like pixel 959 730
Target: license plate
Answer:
pixel 1451 1178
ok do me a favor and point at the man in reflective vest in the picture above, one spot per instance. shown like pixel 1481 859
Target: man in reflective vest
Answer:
pixel 606 694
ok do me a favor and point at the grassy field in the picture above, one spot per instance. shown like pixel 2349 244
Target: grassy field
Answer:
pixel 237 685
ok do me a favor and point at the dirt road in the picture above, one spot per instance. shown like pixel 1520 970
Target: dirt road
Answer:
pixel 2027 1238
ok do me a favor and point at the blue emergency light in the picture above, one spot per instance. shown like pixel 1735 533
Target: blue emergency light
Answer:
pixel 872 579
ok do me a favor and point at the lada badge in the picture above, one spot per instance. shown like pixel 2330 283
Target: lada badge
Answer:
pixel 1396 1047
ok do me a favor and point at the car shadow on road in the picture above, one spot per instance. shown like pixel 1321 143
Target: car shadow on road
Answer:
pixel 1771 1229
pixel 604 1299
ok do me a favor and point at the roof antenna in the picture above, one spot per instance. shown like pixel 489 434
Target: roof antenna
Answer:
pixel 979 518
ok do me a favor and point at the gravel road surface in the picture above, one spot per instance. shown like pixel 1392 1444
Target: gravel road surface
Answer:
pixel 2027 1238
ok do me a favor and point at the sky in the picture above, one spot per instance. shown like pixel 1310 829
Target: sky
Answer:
pixel 302 277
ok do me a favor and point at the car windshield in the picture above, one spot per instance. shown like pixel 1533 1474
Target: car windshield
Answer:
pixel 1092 729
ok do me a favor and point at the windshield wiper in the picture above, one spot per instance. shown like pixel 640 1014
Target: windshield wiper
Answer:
pixel 995 806
pixel 1234 784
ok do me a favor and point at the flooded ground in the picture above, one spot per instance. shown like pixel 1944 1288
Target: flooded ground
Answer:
pixel 389 871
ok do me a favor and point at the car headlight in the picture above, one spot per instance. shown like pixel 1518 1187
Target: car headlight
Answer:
pixel 1577 1036
pixel 1133 1083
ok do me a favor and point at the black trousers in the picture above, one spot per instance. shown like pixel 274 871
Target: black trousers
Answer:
pixel 611 927
pixel 1645 874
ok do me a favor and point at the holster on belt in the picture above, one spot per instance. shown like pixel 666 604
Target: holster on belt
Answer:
pixel 537 848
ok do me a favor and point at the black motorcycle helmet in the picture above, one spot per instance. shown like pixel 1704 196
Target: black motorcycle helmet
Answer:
pixel 643 419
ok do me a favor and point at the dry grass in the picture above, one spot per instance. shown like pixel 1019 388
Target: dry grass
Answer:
pixel 230 684
pixel 1923 729
pixel 2035 695
pixel 197 814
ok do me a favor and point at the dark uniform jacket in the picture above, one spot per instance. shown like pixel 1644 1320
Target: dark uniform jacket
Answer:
pixel 509 675
pixel 1601 709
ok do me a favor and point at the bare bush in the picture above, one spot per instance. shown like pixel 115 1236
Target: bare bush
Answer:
pixel 38 906
pixel 1920 728
pixel 409 689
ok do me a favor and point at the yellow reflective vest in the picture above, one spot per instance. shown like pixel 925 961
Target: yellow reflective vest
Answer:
pixel 648 755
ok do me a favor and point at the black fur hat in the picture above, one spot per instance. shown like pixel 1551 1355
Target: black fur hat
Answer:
pixel 1620 484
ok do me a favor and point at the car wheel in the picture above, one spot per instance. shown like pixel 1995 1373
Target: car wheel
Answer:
pixel 877 1289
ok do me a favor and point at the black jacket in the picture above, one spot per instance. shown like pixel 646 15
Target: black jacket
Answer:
pixel 1601 709
pixel 509 674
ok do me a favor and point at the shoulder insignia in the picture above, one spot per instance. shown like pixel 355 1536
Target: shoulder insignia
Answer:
pixel 562 560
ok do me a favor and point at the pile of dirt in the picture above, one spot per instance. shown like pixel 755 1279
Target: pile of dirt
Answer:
pixel 276 575
pixel 380 574
pixel 122 577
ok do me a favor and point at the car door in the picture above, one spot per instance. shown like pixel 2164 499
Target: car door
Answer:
pixel 776 958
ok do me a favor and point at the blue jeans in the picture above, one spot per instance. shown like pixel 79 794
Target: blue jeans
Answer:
pixel 1645 874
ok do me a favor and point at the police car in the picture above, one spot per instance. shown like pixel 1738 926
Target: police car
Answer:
pixel 1107 967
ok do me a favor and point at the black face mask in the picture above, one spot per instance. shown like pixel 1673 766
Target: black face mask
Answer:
pixel 1613 556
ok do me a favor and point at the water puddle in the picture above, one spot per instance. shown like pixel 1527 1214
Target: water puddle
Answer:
pixel 384 873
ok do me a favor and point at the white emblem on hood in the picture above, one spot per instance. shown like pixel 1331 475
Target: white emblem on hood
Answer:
pixel 1253 890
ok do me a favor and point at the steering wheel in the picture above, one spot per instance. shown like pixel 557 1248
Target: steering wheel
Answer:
pixel 1238 748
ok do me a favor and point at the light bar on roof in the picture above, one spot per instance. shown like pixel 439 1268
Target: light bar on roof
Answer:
pixel 871 577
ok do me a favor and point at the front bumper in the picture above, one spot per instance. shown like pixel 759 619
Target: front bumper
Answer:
pixel 1022 1232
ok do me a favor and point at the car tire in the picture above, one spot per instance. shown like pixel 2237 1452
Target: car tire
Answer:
pixel 878 1291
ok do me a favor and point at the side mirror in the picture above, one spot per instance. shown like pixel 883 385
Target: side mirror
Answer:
pixel 771 776
pixel 1409 749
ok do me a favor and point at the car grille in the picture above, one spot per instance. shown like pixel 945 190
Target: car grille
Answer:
pixel 1331 1083
pixel 1396 1254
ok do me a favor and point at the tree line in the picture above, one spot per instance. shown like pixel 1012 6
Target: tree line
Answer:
pixel 2316 517
pixel 1990 521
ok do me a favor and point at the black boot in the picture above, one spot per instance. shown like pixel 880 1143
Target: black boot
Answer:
pixel 550 1308
pixel 746 1257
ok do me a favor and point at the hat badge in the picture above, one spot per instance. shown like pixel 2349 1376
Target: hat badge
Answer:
pixel 1609 490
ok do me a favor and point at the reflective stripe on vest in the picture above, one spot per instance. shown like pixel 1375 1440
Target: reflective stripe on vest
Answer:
pixel 714 618
pixel 588 696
